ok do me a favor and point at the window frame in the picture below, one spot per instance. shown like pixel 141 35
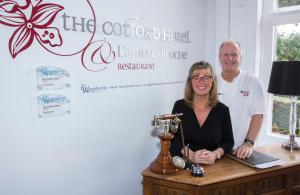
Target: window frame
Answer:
pixel 271 17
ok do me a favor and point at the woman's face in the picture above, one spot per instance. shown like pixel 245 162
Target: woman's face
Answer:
pixel 201 81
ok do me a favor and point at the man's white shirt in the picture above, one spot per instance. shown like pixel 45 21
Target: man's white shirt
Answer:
pixel 244 96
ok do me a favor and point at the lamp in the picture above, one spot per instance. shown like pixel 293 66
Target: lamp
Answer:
pixel 285 80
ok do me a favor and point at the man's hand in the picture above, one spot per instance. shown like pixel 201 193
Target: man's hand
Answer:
pixel 243 151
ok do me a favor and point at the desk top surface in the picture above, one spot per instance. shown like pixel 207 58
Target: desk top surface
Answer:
pixel 227 169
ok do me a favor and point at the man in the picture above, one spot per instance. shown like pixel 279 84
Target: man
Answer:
pixel 244 96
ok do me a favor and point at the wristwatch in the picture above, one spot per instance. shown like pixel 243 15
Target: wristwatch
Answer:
pixel 249 141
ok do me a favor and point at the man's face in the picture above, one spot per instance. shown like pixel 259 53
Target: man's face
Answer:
pixel 230 58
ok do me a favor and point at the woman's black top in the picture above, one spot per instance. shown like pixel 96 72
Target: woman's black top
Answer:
pixel 216 131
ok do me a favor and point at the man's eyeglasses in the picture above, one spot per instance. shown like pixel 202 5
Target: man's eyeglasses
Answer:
pixel 204 78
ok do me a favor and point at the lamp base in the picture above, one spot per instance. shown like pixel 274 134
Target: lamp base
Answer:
pixel 291 144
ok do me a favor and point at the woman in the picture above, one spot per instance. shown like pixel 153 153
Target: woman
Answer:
pixel 206 122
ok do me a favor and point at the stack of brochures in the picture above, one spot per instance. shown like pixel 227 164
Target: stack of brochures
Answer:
pixel 258 160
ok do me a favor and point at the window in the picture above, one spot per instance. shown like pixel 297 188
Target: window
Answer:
pixel 287 41
pixel 287 3
pixel 280 41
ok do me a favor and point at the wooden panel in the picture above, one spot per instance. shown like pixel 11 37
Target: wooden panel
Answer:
pixel 277 192
pixel 296 190
pixel 232 190
pixel 275 183
pixel 296 178
pixel 166 190
pixel 152 186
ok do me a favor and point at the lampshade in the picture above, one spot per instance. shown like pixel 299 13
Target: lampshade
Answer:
pixel 285 78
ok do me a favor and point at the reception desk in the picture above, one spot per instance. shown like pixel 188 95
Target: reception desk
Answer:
pixel 229 177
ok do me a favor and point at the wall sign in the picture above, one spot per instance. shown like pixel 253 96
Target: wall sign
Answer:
pixel 49 105
pixel 51 77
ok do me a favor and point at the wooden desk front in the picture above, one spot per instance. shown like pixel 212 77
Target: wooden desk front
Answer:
pixel 228 177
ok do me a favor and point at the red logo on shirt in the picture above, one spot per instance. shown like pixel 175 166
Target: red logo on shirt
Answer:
pixel 245 93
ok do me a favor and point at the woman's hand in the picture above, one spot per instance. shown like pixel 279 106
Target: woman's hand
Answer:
pixel 204 157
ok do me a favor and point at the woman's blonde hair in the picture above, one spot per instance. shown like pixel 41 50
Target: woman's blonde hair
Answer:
pixel 188 89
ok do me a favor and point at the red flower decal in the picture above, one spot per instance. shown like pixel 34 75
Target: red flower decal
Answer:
pixel 32 21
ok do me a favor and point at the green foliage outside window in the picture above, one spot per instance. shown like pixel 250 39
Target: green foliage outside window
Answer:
pixel 288 47
pixel 281 114
pixel 288 3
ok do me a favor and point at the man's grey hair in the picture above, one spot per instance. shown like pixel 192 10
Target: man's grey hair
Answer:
pixel 230 41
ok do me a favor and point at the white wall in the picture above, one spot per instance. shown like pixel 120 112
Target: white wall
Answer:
pixel 104 144
pixel 238 20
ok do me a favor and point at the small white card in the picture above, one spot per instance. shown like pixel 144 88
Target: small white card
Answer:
pixel 51 77
pixel 49 105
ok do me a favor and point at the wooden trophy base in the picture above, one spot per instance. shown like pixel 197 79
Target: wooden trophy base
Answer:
pixel 163 163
